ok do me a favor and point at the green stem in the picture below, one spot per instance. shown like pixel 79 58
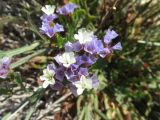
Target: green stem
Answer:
pixel 101 114
pixel 25 59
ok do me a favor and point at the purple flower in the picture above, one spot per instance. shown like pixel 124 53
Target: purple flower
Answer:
pixel 73 74
pixel 76 47
pixel 95 81
pixel 5 63
pixel 83 71
pixel 3 73
pixel 48 18
pixel 74 63
pixel 49 76
pixel 85 60
pixel 110 34
pixel 51 67
pixel 91 47
pixel 4 67
pixel 57 86
pixel 73 89
pixel 67 9
pixel 60 73
pixel 68 47
pixel 50 29
pixel 96 47
pixel 74 67
pixel 101 50
pixel 118 46
pixel 103 53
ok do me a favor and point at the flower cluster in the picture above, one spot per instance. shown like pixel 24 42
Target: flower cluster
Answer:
pixel 49 27
pixel 71 68
pixel 4 67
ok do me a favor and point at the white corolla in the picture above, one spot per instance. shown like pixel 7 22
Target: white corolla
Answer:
pixel 66 59
pixel 84 36
pixel 48 9
pixel 84 83
pixel 48 77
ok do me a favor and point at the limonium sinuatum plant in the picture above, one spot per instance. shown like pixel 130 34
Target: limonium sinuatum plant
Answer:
pixel 71 68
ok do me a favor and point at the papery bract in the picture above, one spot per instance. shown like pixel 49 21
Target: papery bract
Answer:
pixel 67 9
pixel 118 46
pixel 84 59
pixel 76 47
pixel 57 86
pixel 60 73
pixel 51 30
pixel 48 18
pixel 110 34
pixel 4 67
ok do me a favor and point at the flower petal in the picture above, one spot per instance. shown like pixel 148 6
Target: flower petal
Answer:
pixel 118 46
pixel 67 9
pixel 57 86
pixel 110 34
pixel 48 9
pixel 45 84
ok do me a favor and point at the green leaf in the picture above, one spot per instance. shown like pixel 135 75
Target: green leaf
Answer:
pixel 78 16
pixel 103 116
pixel 25 59
pixel 30 112
pixel 119 114
pixel 17 51
pixel 88 113
pixel 6 116
pixel 60 41
pixel 81 116
pixel 18 79
pixel 36 95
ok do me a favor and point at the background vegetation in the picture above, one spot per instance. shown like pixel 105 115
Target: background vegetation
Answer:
pixel 130 79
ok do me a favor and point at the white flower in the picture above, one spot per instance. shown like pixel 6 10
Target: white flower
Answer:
pixel 83 84
pixel 48 77
pixel 67 59
pixel 84 36
pixel 48 9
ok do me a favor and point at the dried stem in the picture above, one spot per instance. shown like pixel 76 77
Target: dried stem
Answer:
pixel 108 13
pixel 53 105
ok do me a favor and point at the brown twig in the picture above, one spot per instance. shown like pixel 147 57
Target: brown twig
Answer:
pixel 106 16
pixel 53 105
